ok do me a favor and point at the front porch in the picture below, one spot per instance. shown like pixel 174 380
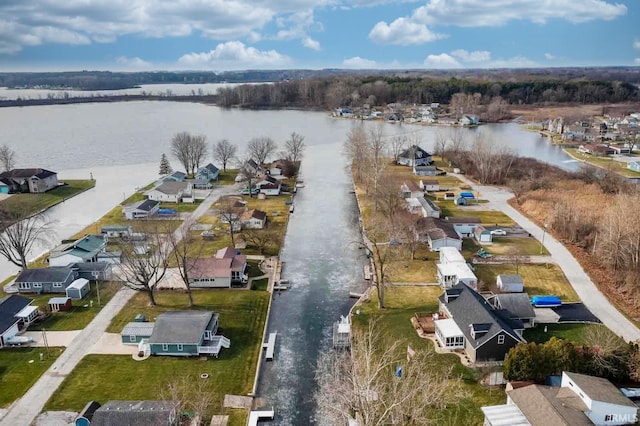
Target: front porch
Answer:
pixel 214 346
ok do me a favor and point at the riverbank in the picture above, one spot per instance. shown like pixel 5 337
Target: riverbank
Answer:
pixel 606 163
pixel 205 99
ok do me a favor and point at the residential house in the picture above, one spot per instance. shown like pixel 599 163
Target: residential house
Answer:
pixel 170 192
pixel 5 186
pixel 251 167
pixel 425 170
pixel 413 205
pixel 634 165
pixel 453 269
pixel 134 413
pixel 31 180
pixel 208 173
pixel 86 249
pixel 510 283
pixel 482 234
pixel 186 333
pixel 221 271
pixel 116 231
pixel 60 304
pixel 134 332
pixel 269 186
pixel 517 306
pixel 464 226
pixel 469 120
pixel 620 149
pixel 78 289
pixel 54 279
pixel 410 189
pixel 429 209
pixel 487 336
pixel 437 234
pixel 141 210
pixel 429 185
pixel 414 156
pixel 16 313
pixel 579 400
pixel 253 219
pixel 274 171
pixel 200 184
pixel 176 177
pixel 596 149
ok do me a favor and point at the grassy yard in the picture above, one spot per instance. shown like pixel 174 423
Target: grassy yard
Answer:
pixel 181 207
pixel 572 332
pixel 418 270
pixel 538 279
pixel 401 304
pixel 525 246
pixel 227 178
pixel 80 315
pixel 104 377
pixel 28 204
pixel 604 162
pixel 488 217
pixel 20 368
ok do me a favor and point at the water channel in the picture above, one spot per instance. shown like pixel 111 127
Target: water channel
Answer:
pixel 121 144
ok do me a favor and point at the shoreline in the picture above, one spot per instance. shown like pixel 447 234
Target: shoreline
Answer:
pixel 600 166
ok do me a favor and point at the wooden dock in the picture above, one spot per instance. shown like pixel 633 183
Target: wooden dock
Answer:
pixel 255 416
pixel 368 275
pixel 270 346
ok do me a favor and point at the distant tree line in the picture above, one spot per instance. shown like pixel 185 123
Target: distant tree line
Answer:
pixel 379 90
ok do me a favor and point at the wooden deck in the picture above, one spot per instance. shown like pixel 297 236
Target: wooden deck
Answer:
pixel 270 346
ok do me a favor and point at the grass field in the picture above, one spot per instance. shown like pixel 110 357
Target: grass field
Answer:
pixel 525 246
pixel 29 204
pixel 20 368
pixel 488 217
pixel 104 377
pixel 603 162
pixel 401 304
pixel 227 178
pixel 418 270
pixel 79 316
pixel 572 332
pixel 538 279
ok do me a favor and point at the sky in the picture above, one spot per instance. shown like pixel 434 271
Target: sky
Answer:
pixel 219 35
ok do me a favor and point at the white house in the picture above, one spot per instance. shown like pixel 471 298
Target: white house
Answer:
pixel 253 219
pixel 453 269
pixel 414 156
pixel 413 206
pixel 269 186
pixel 141 210
pixel 429 185
pixel 410 189
pixel 429 209
pixel 510 283
pixel 469 120
pixel 170 192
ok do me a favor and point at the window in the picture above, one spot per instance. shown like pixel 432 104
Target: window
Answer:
pixel 37 285
pixel 180 347
pixel 207 334
pixel 132 338
pixel 58 285
pixel 165 347
pixel 24 286
pixel 501 339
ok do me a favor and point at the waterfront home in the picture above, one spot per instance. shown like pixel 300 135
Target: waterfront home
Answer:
pixel 227 267
pixel 253 219
pixel 138 413
pixel 410 189
pixel 517 306
pixel 471 324
pixel 437 234
pixel 54 279
pixel 170 192
pixel 186 333
pixel 134 332
pixel 30 180
pixel 141 209
pixel 429 209
pixel 634 165
pixel 116 231
pixel 16 313
pixel 429 185
pixel 464 226
pixel 425 170
pixel 414 156
pixel 251 166
pixel 208 173
pixel 596 149
pixel 469 120
pixel 453 269
pixel 579 400
pixel 201 183
pixel 86 249
pixel 176 177
pixel 413 206
pixel 269 186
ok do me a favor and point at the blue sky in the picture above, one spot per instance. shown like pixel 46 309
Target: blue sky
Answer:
pixel 216 35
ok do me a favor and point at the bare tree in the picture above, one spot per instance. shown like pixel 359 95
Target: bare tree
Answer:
pixel 230 212
pixel 223 152
pixel 441 142
pixel 19 235
pixel 458 140
pixel 190 394
pixel 7 158
pixel 406 231
pixel 365 385
pixel 261 148
pixel 492 163
pixel 247 174
pixel 608 351
pixel 376 150
pixel 259 238
pixel 142 271
pixel 295 147
pixel 190 150
pixel 384 255
pixel 389 199
pixel 356 150
pixel 397 144
pixel 183 251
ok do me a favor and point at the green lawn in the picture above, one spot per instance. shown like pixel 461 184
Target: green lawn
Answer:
pixel 401 304
pixel 488 217
pixel 79 316
pixel 20 368
pixel 227 178
pixel 418 270
pixel 181 207
pixel 104 377
pixel 539 279
pixel 526 246
pixel 28 204
pixel 604 162
pixel 575 333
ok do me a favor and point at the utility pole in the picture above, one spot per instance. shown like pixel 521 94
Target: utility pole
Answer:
pixel 544 231
pixel 45 342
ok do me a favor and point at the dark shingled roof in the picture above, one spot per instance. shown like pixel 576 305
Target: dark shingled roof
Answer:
pixel 53 274
pixel 9 307
pixel 135 413
pixel 461 219
pixel 91 266
pixel 545 405
pixel 416 151
pixel 27 173
pixel 435 228
pixel 181 326
pixel 147 205
pixel 517 304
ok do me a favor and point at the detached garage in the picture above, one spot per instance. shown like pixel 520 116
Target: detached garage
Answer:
pixel 60 304
pixel 78 289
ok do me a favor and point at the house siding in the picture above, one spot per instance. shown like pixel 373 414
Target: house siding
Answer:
pixel 37 185
pixel 126 340
pixel 220 282
pixel 10 332
pixel 492 351
pixel 436 245
pixel 172 349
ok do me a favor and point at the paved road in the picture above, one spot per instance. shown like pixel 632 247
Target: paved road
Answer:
pixel 593 299
pixel 25 410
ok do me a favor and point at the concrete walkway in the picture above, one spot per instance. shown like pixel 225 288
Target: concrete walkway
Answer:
pixel 54 338
pixel 593 299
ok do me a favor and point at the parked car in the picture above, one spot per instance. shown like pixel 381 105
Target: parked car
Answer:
pixel 245 191
pixel 499 232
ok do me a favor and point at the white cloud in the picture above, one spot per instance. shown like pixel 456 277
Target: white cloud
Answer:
pixel 636 44
pixel 359 63
pixel 310 43
pixel 442 60
pixel 402 31
pixel 234 55
pixel 133 63
pixel 549 56
pixel 476 56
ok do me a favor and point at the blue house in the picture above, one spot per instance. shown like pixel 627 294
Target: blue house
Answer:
pixel 176 177
pixel 208 172
pixel 54 279
pixel 634 165
pixel 185 333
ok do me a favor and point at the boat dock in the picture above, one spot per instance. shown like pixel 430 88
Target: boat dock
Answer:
pixel 255 416
pixel 270 346
pixel 368 275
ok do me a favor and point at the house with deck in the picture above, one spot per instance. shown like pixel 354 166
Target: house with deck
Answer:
pixel 227 267
pixel 470 323
pixel 86 249
pixel 269 185
pixel 54 279
pixel 141 210
pixel 16 314
pixel 414 156
pixel 170 192
pixel 452 269
pixel 30 180
pixel 208 173
pixel 185 333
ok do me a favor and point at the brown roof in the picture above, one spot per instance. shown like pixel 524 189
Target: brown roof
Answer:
pixel 254 214
pixel 436 229
pixel 214 267
pixel 170 187
pixel 412 186
pixel 430 182
pixel 599 389
pixel 550 406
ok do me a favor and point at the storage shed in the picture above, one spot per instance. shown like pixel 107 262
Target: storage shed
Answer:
pixel 134 332
pixel 483 235
pixel 78 289
pixel 510 283
pixel 60 304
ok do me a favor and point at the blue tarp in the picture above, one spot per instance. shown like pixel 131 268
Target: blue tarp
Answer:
pixel 546 301
pixel 467 195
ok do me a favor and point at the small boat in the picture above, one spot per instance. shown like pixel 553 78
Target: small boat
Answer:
pixel 18 340
pixel 291 208
pixel 299 185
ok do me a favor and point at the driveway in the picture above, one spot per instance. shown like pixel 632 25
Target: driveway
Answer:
pixel 111 344
pixel 592 298
pixel 54 338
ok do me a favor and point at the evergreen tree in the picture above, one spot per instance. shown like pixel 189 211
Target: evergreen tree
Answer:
pixel 165 167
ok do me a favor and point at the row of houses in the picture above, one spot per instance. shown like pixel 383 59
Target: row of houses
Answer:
pixel 604 129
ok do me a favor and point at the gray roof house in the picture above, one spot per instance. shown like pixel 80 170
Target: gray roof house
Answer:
pixel 176 177
pixel 54 279
pixel 437 234
pixel 31 180
pixel 142 209
pixel 518 306
pixel 414 156
pixel 429 209
pixel 136 413
pixel 169 191
pixel 93 271
pixel 487 333
pixel 510 283
pixel 85 249
pixel 208 172
pixel 16 313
